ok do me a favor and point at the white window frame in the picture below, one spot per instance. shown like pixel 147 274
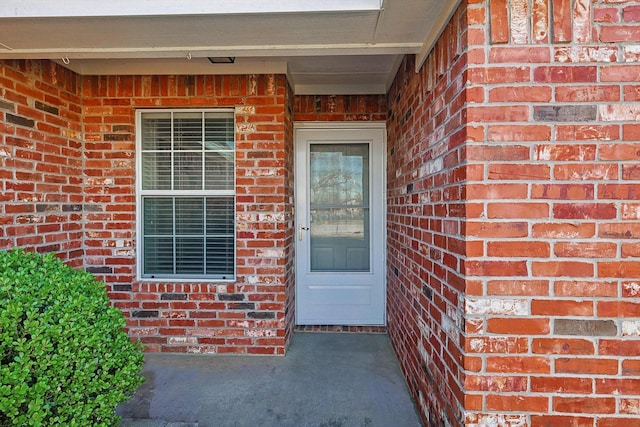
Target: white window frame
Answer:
pixel 140 194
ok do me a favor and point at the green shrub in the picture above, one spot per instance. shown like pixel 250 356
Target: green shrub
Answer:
pixel 64 356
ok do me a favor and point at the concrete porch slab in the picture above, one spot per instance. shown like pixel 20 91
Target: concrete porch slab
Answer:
pixel 326 379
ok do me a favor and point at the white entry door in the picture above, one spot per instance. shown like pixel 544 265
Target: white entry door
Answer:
pixel 340 225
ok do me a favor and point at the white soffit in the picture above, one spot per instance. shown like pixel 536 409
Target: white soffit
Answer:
pixel 85 8
pixel 324 46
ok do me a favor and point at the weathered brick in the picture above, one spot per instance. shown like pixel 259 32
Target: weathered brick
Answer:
pixel 144 313
pixel 4 105
pixel 19 120
pixel 173 296
pixel 99 269
pixel 593 328
pixel 47 108
pixel 567 113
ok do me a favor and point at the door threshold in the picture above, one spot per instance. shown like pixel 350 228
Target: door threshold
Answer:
pixel 366 329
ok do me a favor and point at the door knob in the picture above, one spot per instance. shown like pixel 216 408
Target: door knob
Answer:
pixel 300 230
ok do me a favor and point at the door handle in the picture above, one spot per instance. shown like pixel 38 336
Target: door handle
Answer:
pixel 300 230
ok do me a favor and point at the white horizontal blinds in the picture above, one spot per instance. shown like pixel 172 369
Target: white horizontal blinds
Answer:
pixel 220 244
pixel 219 154
pixel 158 226
pixel 156 151
pixel 188 194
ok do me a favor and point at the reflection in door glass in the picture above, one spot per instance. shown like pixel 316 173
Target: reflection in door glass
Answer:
pixel 339 198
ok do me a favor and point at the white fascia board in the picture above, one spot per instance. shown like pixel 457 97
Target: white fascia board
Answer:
pixel 164 66
pixel 344 89
pixel 207 51
pixel 86 8
pixel 446 12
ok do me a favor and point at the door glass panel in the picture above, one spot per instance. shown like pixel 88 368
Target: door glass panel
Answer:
pixel 339 207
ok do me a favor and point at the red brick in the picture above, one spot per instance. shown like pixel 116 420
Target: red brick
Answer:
pixel 605 14
pixel 619 422
pixel 618 309
pixel 631 367
pixel 518 326
pixel 520 55
pixel 501 383
pixel 540 21
pixel 563 192
pixel 562 269
pixel 584 405
pixel 518 364
pixel 500 402
pixel 620 73
pixel 562 346
pixel 619 151
pixel 619 347
pixel 497 114
pixel 555 384
pixel 564 152
pixel 564 230
pixel 490 345
pixel 561 421
pixel 518 287
pixel 626 386
pixel 518 249
pixel 562 308
pixel 585 249
pixel 587 93
pixel 519 133
pixel 577 288
pixel 499 21
pixel 562 21
pixel 497 153
pixel 586 366
pixel 584 211
pixel 566 74
pixel 496 268
pixel 619 33
pixel 619 191
pixel 619 230
pixel 519 172
pixel 499 74
pixel 585 171
pixel 619 269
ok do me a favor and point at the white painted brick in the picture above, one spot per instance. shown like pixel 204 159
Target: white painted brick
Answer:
pixel 619 112
pixel 245 127
pixel 631 328
pixel 520 21
pixel 255 333
pixel 495 420
pixel 632 288
pixel 246 109
pixel 514 307
pixel 449 327
pixel 270 253
pixel 631 53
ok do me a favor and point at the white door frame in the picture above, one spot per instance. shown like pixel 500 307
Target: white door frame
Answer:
pixel 300 169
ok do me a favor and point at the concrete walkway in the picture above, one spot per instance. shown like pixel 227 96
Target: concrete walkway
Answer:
pixel 326 379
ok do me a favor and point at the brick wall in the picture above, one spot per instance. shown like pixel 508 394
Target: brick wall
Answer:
pixel 252 315
pixel 524 301
pixel 425 221
pixel 68 185
pixel 41 159
pixel 339 108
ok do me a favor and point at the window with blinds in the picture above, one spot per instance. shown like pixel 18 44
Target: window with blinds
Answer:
pixel 186 194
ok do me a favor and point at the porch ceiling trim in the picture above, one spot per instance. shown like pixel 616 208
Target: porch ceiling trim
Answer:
pixel 85 8
pixel 448 8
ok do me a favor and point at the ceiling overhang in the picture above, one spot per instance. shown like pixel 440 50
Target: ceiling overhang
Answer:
pixel 324 46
